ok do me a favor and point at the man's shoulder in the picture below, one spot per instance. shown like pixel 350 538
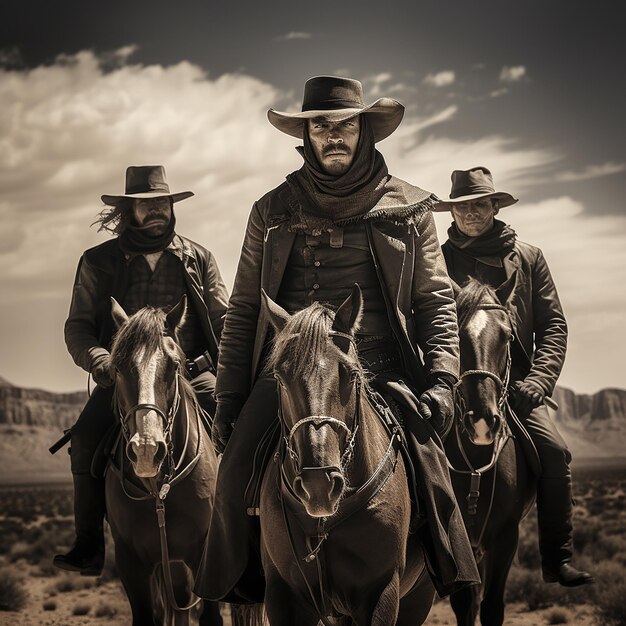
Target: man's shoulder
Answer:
pixel 275 200
pixel 194 247
pixel 104 253
pixel 527 250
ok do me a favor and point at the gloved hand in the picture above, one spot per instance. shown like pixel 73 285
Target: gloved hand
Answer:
pixel 525 397
pixel 101 370
pixel 437 405
pixel 226 414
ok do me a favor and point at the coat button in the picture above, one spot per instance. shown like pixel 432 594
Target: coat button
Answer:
pixel 317 263
pixel 316 286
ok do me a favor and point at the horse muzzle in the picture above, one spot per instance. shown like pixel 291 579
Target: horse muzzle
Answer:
pixel 320 490
pixel 482 431
pixel 146 455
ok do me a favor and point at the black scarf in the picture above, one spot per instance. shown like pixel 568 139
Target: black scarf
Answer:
pixel 490 247
pixel 135 240
pixel 338 198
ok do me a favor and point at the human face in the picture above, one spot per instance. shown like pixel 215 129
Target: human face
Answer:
pixel 474 218
pixel 152 214
pixel 334 143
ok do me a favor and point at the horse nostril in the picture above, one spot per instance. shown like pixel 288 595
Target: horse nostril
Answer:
pixel 160 452
pixel 130 452
pixel 337 482
pixel 299 489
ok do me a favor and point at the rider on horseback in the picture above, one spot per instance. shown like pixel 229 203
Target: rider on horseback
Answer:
pixel 148 263
pixel 341 219
pixel 486 249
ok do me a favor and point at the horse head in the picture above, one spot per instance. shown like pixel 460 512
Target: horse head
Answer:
pixel 316 365
pixel 485 333
pixel 147 361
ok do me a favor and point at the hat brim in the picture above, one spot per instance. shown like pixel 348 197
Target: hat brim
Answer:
pixel 176 197
pixel 505 199
pixel 384 116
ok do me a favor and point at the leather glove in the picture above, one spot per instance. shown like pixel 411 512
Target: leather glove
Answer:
pixel 437 405
pixel 525 397
pixel 101 370
pixel 226 414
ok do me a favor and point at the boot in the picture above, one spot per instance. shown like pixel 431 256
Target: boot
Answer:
pixel 554 517
pixel 87 554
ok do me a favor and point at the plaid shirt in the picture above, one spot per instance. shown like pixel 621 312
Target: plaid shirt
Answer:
pixel 162 288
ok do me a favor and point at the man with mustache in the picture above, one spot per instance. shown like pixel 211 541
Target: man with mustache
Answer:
pixel 340 219
pixel 148 263
pixel 482 247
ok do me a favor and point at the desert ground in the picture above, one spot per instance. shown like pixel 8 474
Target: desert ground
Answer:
pixel 36 521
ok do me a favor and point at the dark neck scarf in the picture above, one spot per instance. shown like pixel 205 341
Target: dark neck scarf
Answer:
pixel 492 245
pixel 135 240
pixel 338 198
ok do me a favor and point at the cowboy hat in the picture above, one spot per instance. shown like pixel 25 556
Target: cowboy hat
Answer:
pixel 337 99
pixel 146 181
pixel 468 185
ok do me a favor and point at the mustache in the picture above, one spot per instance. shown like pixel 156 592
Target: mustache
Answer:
pixel 336 148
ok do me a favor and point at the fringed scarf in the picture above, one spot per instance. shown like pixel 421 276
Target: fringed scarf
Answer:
pixel 365 191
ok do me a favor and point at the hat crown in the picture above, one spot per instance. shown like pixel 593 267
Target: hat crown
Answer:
pixel 325 93
pixel 146 179
pixel 471 182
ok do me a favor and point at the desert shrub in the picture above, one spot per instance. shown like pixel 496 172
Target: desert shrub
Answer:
pixel 526 586
pixel 610 603
pixel 49 605
pixel 557 616
pixel 13 594
pixel 81 609
pixel 105 610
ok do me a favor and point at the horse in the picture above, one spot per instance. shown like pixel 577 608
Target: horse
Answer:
pixel 334 505
pixel 492 478
pixel 160 484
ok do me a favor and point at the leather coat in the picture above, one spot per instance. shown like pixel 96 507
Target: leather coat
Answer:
pixel 412 274
pixel 539 324
pixel 103 272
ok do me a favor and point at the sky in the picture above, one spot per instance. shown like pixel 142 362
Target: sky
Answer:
pixel 531 90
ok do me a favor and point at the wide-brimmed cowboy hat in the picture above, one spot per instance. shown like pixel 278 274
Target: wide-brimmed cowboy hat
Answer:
pixel 146 181
pixel 337 99
pixel 473 184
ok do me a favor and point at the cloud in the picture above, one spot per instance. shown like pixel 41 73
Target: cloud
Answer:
pixel 441 79
pixel 592 171
pixel 497 93
pixel 69 129
pixel 290 36
pixel 512 74
pixel 374 84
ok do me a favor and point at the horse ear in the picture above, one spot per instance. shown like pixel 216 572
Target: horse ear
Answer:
pixel 506 289
pixel 117 313
pixel 176 316
pixel 277 315
pixel 349 314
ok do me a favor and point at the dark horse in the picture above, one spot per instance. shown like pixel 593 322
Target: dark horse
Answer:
pixel 335 507
pixel 160 486
pixel 493 482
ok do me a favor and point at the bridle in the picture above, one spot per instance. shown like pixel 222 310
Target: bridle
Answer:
pixel 338 426
pixel 501 382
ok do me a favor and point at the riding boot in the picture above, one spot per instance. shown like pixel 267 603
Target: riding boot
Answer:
pixel 87 554
pixel 554 516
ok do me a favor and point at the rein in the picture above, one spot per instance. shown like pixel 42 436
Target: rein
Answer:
pixel 153 491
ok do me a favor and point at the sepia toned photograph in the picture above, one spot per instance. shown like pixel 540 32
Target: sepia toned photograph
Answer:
pixel 312 314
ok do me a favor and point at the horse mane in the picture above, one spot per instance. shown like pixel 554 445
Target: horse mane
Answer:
pixel 305 340
pixel 471 296
pixel 142 332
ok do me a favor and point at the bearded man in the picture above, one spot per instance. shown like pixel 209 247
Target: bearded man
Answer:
pixel 339 220
pixel 487 249
pixel 148 263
